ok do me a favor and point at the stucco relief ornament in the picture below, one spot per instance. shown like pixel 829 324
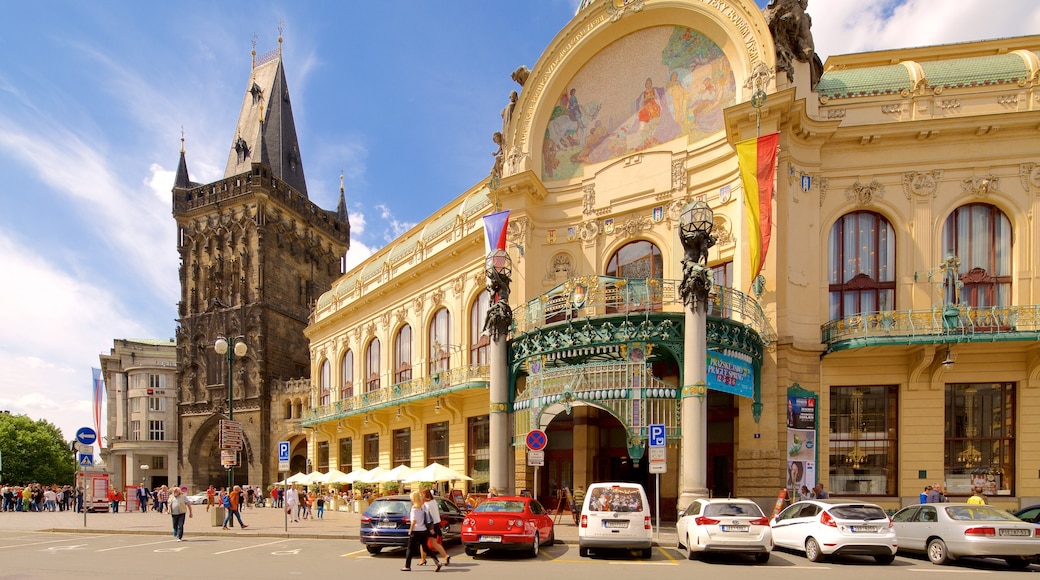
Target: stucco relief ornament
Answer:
pixel 981 186
pixel 418 304
pixel 1029 173
pixel 515 160
pixel 865 194
pixel 679 176
pixel 921 183
pixel 458 284
pixel 617 8
pixel 633 226
pixel 588 231
pixel 675 209
pixel 588 199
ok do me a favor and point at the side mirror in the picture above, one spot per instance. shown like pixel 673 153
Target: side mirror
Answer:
pixel 682 513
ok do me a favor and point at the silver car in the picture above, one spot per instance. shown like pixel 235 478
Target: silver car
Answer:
pixel 947 531
pixel 724 525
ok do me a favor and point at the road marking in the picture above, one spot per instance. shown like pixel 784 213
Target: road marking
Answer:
pixel 667 555
pixel 356 554
pixel 136 545
pixel 249 547
pixel 47 542
pixel 644 563
pixel 54 548
pixel 951 571
pixel 286 552
pixel 157 550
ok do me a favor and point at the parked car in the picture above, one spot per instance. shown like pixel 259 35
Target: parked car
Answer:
pixel 197 498
pixel 820 528
pixel 1029 514
pixel 724 525
pixel 947 531
pixel 508 523
pixel 385 522
pixel 615 515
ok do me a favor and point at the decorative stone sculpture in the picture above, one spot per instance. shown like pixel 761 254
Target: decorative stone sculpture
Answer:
pixel 791 28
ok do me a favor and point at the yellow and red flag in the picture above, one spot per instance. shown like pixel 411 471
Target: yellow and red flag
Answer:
pixel 757 161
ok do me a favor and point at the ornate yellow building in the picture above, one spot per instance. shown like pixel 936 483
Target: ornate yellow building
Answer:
pixel 897 300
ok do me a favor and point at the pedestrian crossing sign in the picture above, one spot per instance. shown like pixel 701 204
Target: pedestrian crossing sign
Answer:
pixel 86 460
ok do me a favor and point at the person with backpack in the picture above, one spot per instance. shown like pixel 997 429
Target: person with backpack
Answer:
pixel 232 504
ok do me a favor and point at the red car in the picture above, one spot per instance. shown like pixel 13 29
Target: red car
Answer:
pixel 507 523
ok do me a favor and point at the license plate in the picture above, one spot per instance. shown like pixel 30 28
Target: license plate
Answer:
pixel 864 529
pixel 491 539
pixel 1014 532
pixel 734 528
pixel 615 524
pixel 386 525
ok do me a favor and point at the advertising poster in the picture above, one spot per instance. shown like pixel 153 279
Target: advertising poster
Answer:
pixel 801 444
pixel 730 374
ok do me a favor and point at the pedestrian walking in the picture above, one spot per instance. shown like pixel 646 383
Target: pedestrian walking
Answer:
pixel 142 497
pixel 435 544
pixel 233 504
pixel 418 519
pixel 292 499
pixel 179 506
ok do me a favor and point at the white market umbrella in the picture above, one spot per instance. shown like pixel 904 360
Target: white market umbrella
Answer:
pixel 437 472
pixel 334 476
pixel 399 473
pixel 300 477
pixel 371 476
pixel 355 475
pixel 313 477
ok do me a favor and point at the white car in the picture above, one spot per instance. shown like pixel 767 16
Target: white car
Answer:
pixel 615 515
pixel 724 525
pixel 197 499
pixel 819 529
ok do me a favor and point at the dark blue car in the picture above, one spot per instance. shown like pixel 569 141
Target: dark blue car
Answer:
pixel 385 523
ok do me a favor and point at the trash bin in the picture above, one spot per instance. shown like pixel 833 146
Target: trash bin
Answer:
pixel 216 517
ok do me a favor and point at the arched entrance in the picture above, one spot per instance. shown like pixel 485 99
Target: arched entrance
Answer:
pixel 207 469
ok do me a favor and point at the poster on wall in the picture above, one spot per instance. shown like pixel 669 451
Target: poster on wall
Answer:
pixel 801 444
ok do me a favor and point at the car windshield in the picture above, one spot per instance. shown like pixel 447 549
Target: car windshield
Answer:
pixel 616 499
pixel 858 512
pixel 500 506
pixel 391 507
pixel 733 509
pixel 976 513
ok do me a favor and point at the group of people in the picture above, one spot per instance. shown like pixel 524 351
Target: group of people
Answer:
pixel 425 537
pixel 817 492
pixel 36 497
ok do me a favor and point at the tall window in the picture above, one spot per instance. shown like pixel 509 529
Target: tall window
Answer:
pixel 371 457
pixel 479 340
pixel 372 366
pixel 861 257
pixel 157 381
pixel 478 450
pixel 135 430
pixel 288 409
pixel 326 382
pixel 640 261
pixel 980 438
pixel 158 462
pixel 440 341
pixel 403 355
pixel 323 456
pixel 402 446
pixel 722 274
pixel 346 455
pixel 157 404
pixel 346 390
pixel 157 430
pixel 437 443
pixel 863 430
pixel 980 235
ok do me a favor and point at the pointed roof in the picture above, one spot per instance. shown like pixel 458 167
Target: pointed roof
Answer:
pixel 181 180
pixel 266 132
pixel 341 208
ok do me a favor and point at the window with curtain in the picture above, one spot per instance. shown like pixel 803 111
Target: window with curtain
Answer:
pixel 440 341
pixel 478 452
pixel 346 454
pixel 864 422
pixel 402 446
pixel 372 366
pixel 980 438
pixel 326 382
pixel 437 443
pixel 403 355
pixel 722 274
pixel 478 339
pixel 640 261
pixel 861 258
pixel 371 456
pixel 346 390
pixel 980 235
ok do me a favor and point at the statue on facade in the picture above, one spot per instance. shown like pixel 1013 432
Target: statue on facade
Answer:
pixel 499 314
pixel 520 75
pixel 507 113
pixel 496 169
pixel 791 26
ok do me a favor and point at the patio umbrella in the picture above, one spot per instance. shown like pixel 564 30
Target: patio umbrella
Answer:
pixel 313 477
pixel 334 476
pixel 355 475
pixel 300 477
pixel 437 472
pixel 371 476
pixel 399 473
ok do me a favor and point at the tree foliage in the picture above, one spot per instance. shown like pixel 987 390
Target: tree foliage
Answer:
pixel 34 451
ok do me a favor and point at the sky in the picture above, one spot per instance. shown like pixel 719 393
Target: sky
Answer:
pixel 401 96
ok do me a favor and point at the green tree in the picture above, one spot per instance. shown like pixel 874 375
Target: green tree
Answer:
pixel 34 451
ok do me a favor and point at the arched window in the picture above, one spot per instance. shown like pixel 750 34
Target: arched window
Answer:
pixel 326 383
pixel 440 341
pixel 639 261
pixel 980 235
pixel 861 258
pixel 288 410
pixel 299 409
pixel 372 366
pixel 403 355
pixel 346 390
pixel 478 339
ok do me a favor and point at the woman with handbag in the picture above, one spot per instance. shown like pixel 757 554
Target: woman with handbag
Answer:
pixel 436 540
pixel 418 532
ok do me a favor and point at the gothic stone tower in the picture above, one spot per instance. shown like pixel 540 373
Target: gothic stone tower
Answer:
pixel 255 253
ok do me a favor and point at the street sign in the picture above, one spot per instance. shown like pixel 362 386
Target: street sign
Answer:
pixel 283 456
pixel 231 437
pixel 86 449
pixel 228 458
pixel 657 436
pixel 658 460
pixel 86 436
pixel 86 460
pixel 536 458
pixel 536 440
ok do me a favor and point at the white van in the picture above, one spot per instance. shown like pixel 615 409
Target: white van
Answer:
pixel 615 515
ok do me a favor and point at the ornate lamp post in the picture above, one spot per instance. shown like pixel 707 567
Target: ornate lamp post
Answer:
pixel 499 271
pixel 239 349
pixel 695 225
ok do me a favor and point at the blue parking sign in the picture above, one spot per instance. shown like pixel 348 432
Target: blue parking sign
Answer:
pixel 283 451
pixel 657 436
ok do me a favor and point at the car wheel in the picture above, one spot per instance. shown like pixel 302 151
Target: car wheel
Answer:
pixel 689 549
pixel 552 538
pixel 646 553
pixel 374 549
pixel 884 558
pixel 535 545
pixel 1017 562
pixel 583 552
pixel 471 551
pixel 937 552
pixel 762 557
pixel 812 550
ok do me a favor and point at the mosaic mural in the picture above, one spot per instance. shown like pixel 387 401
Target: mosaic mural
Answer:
pixel 645 89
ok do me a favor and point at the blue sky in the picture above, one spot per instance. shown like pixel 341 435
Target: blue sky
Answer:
pixel 402 96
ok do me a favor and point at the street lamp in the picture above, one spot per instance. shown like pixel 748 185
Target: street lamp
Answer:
pixel 239 350
pixel 498 268
pixel 695 225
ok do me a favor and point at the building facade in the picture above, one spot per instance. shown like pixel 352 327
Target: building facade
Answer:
pixel 890 341
pixel 141 398
pixel 255 255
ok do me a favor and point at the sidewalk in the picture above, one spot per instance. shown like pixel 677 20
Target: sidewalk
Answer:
pixel 261 522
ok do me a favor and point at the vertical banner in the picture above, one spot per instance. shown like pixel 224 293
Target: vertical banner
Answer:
pixel 801 444
pixel 756 159
pixel 495 226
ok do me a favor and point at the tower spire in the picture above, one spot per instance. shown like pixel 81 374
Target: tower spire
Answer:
pixel 181 181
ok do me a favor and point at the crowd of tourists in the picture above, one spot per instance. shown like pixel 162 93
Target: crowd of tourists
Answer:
pixel 36 497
